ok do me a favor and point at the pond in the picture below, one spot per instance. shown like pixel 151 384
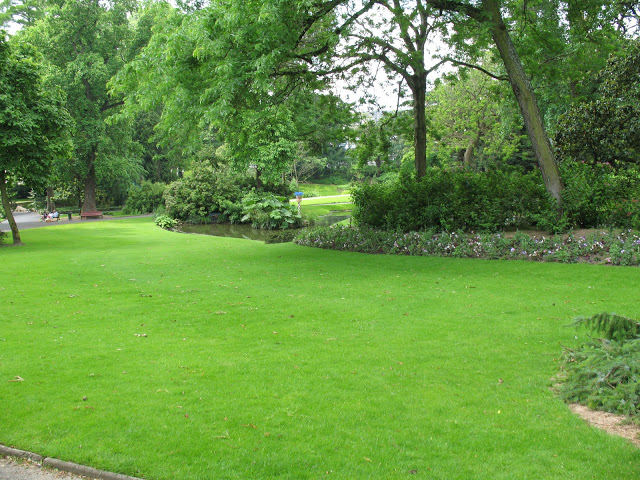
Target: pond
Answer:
pixel 227 230
pixel 245 231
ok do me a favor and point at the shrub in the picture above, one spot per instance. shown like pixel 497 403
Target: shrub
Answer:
pixel 604 374
pixel 599 196
pixel 166 222
pixel 144 198
pixel 201 192
pixel 452 200
pixel 266 211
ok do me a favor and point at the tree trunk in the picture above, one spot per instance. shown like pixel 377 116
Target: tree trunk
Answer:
pixel 527 101
pixel 51 205
pixel 89 203
pixel 7 209
pixel 378 166
pixel 258 179
pixel 468 153
pixel 418 87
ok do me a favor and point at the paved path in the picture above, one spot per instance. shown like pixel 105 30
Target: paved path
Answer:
pixel 11 469
pixel 33 220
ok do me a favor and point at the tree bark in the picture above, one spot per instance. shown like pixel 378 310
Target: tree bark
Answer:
pixel 259 183
pixel 7 209
pixel 527 101
pixel 89 202
pixel 51 205
pixel 468 153
pixel 418 87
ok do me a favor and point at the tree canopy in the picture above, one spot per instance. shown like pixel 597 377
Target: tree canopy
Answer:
pixel 34 124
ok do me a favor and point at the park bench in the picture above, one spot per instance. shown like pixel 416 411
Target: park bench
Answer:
pixel 84 215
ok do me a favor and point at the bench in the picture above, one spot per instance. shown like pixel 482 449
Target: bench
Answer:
pixel 84 215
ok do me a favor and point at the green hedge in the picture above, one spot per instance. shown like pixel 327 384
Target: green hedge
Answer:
pixel 446 200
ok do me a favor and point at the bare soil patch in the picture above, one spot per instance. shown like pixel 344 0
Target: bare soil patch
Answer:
pixel 609 422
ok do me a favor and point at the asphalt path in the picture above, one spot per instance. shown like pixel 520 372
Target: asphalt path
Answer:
pixel 11 469
pixel 34 220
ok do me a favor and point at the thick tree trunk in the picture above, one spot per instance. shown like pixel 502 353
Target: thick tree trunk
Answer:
pixel 7 209
pixel 89 203
pixel 527 101
pixel 418 87
pixel 51 205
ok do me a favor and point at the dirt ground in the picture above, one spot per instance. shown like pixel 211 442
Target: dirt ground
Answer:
pixel 608 422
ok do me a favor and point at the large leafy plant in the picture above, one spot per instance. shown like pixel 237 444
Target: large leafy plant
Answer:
pixel 268 211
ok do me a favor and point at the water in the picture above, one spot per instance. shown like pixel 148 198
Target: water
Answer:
pixel 245 231
pixel 228 230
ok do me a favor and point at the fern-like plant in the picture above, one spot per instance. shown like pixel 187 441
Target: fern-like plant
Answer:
pixel 612 326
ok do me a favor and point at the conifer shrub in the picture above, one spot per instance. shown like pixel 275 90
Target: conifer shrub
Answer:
pixel 604 373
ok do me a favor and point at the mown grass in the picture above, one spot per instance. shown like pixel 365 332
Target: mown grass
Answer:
pixel 337 199
pixel 323 189
pixel 265 361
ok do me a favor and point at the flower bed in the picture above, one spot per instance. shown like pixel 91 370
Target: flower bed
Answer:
pixel 599 247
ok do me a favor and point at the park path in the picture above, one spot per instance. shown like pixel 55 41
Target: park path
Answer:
pixel 11 469
pixel 32 220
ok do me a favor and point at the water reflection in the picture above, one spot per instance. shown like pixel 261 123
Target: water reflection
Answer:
pixel 227 230
pixel 245 231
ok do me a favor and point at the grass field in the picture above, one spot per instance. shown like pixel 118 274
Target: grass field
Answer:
pixel 322 189
pixel 170 356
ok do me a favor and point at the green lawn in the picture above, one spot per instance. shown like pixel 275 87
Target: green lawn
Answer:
pixel 337 199
pixel 322 189
pixel 217 358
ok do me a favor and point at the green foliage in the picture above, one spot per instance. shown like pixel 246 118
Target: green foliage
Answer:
pixel 614 327
pixel 269 212
pixel 202 191
pixel 604 374
pixel 596 195
pixel 166 222
pixel 450 200
pixel 86 43
pixel 33 121
pixel 144 198
pixel 606 128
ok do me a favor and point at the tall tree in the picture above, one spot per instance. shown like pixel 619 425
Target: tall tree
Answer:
pixel 464 113
pixel 233 57
pixel 34 125
pixel 87 40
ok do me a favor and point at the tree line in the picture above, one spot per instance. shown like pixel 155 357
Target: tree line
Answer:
pixel 122 91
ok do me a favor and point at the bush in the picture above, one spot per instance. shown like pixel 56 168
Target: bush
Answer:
pixel 604 374
pixel 163 221
pixel 266 211
pixel 202 191
pixel 144 198
pixel 452 200
pixel 598 196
